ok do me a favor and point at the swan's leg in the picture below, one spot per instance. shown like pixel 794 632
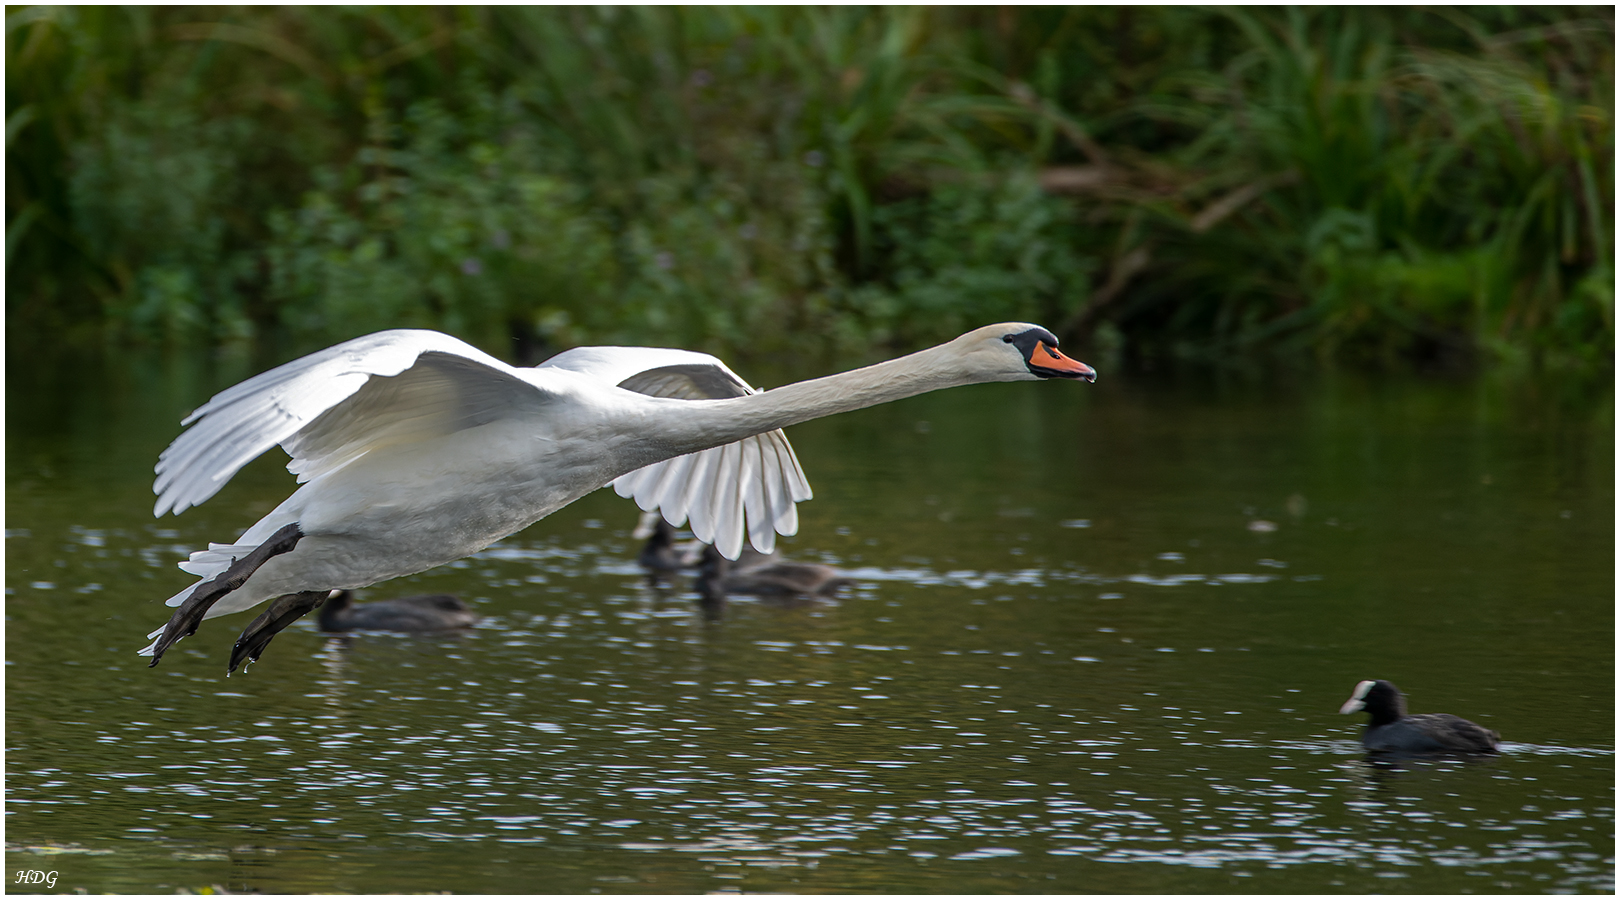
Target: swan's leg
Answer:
pixel 283 612
pixel 185 620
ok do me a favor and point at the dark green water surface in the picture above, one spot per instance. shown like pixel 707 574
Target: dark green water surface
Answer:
pixel 1098 643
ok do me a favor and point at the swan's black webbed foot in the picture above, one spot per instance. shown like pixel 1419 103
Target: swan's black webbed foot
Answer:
pixel 284 611
pixel 185 620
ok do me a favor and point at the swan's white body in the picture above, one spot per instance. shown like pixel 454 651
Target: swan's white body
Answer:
pixel 416 449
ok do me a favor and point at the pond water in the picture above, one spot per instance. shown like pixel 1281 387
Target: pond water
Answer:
pixel 1097 643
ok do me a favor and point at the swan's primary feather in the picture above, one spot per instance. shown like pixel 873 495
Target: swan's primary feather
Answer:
pixel 750 485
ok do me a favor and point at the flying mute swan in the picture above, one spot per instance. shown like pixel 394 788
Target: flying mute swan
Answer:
pixel 416 449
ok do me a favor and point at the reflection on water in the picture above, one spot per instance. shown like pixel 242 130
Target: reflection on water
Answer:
pixel 1070 662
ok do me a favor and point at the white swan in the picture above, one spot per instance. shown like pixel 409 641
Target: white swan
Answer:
pixel 416 449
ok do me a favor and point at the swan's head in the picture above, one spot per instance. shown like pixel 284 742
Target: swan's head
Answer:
pixel 1019 351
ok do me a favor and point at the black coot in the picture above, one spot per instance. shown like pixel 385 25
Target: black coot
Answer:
pixel 761 575
pixel 1391 730
pixel 430 612
pixel 661 556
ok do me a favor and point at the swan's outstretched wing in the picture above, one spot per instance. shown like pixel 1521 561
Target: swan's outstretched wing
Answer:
pixel 755 481
pixel 328 408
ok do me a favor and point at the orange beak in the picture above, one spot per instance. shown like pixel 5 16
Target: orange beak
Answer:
pixel 1047 362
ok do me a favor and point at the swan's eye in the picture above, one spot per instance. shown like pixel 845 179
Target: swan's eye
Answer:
pixel 1006 339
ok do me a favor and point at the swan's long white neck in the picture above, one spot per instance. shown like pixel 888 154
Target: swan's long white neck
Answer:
pixel 686 426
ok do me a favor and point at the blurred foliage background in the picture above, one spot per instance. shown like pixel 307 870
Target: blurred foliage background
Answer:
pixel 1374 184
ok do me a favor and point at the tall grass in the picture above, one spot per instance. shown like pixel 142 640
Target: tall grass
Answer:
pixel 1351 182
pixel 1417 201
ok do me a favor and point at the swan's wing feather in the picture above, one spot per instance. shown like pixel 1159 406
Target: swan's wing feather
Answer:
pixel 726 509
pixel 760 529
pixel 759 493
pixel 441 394
pixel 722 492
pixel 654 371
pixel 274 407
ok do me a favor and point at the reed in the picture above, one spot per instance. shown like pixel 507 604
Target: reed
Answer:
pixel 1356 183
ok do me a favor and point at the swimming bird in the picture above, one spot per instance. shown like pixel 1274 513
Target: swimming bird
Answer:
pixel 765 576
pixel 427 612
pixel 1391 730
pixel 415 449
pixel 661 555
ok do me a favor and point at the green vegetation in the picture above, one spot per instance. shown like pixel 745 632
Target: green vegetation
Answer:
pixel 1357 183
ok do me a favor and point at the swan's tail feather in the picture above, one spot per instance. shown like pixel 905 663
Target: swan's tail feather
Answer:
pixel 204 600
pixel 206 564
pixel 209 564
